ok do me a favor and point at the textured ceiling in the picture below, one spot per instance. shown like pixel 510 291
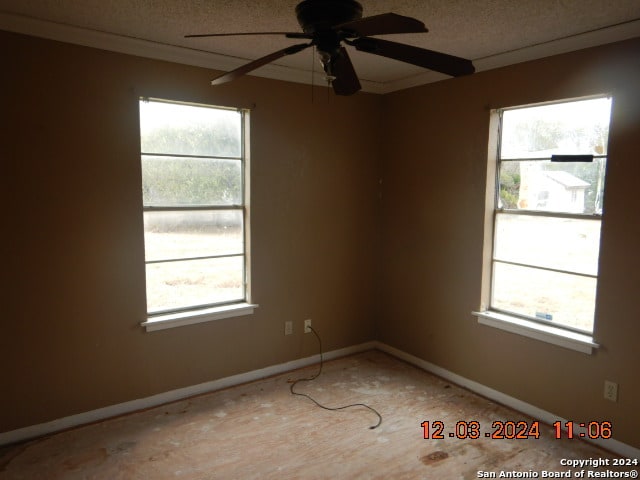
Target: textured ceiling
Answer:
pixel 492 33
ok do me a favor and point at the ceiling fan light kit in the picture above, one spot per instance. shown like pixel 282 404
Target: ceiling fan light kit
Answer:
pixel 327 24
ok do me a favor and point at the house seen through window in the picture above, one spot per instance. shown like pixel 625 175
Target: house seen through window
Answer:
pixel 550 183
pixel 193 169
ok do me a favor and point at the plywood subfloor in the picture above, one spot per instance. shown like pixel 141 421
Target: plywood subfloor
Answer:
pixel 260 431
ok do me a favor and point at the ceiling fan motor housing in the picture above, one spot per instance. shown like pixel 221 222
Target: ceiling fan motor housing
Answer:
pixel 318 15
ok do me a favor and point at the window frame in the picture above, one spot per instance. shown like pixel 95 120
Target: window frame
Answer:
pixel 198 313
pixel 533 327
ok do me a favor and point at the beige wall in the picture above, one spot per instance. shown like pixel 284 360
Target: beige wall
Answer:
pixel 70 339
pixel 434 173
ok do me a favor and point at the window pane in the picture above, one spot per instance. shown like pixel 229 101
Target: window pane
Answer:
pixel 189 130
pixel 561 298
pixel 175 285
pixel 580 127
pixel 560 243
pixel 173 235
pixel 168 181
pixel 573 187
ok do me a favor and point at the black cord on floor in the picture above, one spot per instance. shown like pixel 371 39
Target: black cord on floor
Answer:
pixel 323 406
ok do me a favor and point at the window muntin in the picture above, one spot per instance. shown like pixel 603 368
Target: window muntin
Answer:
pixel 192 284
pixel 193 167
pixel 569 244
pixel 561 299
pixel 547 217
pixel 183 234
pixel 178 181
pixel 186 129
pixel 543 185
pixel 569 128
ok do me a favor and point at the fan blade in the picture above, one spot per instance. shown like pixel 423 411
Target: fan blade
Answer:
pixel 386 23
pixel 346 80
pixel 244 69
pixel 286 34
pixel 440 62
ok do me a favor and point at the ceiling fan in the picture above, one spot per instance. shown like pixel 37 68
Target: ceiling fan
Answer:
pixel 330 23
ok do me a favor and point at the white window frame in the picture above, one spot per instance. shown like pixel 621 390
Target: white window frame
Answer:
pixel 216 311
pixel 537 328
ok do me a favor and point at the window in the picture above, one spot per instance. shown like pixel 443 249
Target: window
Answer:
pixel 546 215
pixel 194 162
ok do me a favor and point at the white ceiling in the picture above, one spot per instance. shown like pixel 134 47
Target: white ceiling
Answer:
pixel 492 33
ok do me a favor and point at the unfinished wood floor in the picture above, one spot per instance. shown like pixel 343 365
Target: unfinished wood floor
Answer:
pixel 260 431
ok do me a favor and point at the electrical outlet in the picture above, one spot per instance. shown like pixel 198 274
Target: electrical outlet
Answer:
pixel 288 327
pixel 611 390
pixel 307 325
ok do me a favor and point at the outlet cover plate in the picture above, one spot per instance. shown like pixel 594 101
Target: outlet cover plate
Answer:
pixel 611 390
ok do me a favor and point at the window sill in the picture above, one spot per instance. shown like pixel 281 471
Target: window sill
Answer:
pixel 546 333
pixel 173 320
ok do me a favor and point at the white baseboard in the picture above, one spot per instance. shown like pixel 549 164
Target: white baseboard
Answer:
pixel 53 426
pixel 610 444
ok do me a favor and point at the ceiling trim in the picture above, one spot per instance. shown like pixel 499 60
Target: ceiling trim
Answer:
pixel 199 58
pixel 158 51
pixel 614 33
